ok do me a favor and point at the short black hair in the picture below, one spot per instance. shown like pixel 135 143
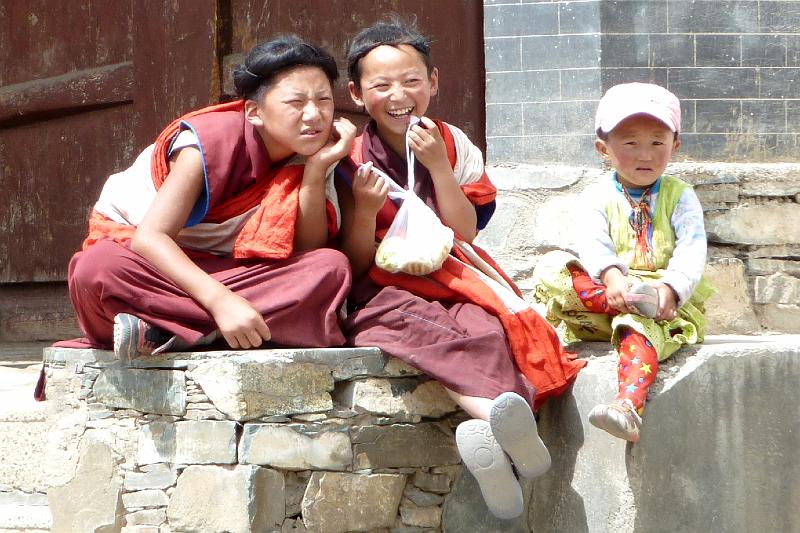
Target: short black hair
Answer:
pixel 281 53
pixel 390 32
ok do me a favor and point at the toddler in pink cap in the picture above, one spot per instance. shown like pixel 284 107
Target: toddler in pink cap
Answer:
pixel 638 278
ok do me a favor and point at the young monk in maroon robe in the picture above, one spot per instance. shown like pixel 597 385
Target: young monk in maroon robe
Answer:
pixel 217 229
pixel 465 324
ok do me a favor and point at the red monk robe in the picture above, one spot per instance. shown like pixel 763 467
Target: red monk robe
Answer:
pixel 465 325
pixel 240 232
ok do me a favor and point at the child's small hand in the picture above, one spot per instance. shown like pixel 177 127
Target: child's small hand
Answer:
pixel 369 190
pixel 667 302
pixel 617 285
pixel 428 146
pixel 342 134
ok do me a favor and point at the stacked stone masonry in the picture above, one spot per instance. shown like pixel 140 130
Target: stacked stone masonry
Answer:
pixel 275 440
pixel 225 441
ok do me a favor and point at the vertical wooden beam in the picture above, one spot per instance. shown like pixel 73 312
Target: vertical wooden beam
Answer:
pixel 176 61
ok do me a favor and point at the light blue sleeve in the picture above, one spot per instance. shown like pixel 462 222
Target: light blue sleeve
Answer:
pixel 688 261
pixel 596 250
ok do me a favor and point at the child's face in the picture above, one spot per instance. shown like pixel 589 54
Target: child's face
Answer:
pixel 394 85
pixel 639 148
pixel 296 113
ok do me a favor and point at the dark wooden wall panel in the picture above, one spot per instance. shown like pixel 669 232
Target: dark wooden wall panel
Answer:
pixel 86 85
pixel 65 115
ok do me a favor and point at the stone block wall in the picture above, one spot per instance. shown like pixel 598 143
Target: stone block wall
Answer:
pixel 733 63
pixel 263 441
pixel 325 440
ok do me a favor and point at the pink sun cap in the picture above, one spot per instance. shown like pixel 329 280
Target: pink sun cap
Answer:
pixel 627 99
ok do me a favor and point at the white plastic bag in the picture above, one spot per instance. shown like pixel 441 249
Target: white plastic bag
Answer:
pixel 417 242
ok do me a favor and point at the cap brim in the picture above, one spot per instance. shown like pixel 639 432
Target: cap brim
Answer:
pixel 658 113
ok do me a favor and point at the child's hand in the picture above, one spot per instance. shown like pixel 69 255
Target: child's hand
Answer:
pixel 342 134
pixel 667 302
pixel 428 146
pixel 369 190
pixel 241 325
pixel 617 285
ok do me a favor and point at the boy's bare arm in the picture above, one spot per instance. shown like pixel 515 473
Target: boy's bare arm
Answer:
pixel 359 208
pixel 456 209
pixel 240 324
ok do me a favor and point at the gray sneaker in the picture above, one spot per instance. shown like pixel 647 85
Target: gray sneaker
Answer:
pixel 644 297
pixel 134 337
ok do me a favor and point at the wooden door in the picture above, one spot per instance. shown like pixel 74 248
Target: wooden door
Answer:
pixel 85 86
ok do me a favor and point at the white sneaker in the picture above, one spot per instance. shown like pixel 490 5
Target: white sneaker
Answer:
pixel 490 466
pixel 514 427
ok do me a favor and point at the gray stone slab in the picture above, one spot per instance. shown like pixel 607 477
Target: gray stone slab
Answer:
pixel 779 16
pixel 613 75
pixel 159 476
pixel 339 502
pixel 635 16
pixel 581 84
pixel 504 119
pixel 559 117
pixel 520 19
pixel 755 224
pixel 244 388
pixel 764 50
pixel 205 442
pixel 516 87
pixel 742 82
pixel 672 50
pixel 403 445
pixel 399 398
pixel 296 446
pixel 625 50
pixel 149 391
pixel 697 455
pixel 718 51
pixel 730 16
pixel 718 116
pixel 502 54
pixel 579 17
pixel 97 480
pixel 560 51
pixel 236 500
pixel 779 83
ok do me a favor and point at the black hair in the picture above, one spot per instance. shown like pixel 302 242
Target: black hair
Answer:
pixel 390 32
pixel 268 59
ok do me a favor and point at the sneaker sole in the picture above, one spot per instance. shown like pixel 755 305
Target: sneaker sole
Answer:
pixel 487 462
pixel 644 298
pixel 514 427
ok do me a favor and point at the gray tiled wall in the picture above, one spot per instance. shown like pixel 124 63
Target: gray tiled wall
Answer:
pixel 735 64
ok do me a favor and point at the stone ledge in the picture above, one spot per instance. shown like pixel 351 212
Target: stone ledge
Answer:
pixel 717 450
pixel 716 454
